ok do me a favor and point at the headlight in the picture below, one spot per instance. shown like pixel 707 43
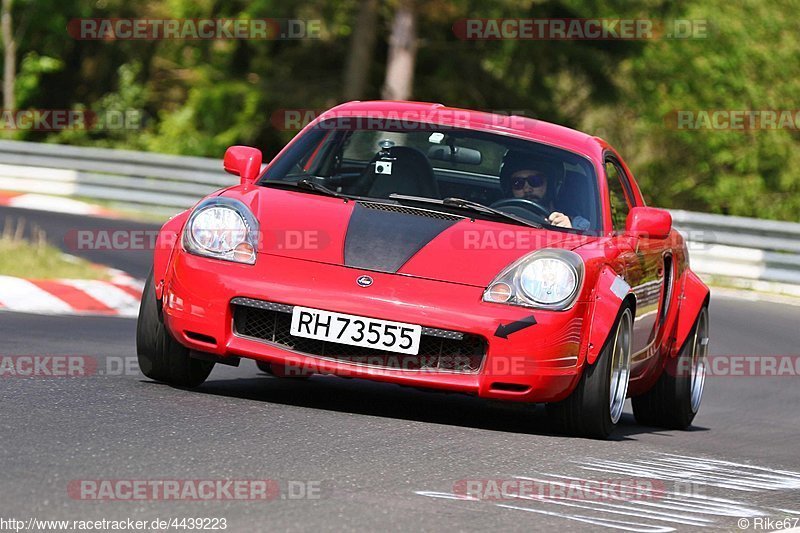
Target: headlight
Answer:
pixel 222 228
pixel 547 279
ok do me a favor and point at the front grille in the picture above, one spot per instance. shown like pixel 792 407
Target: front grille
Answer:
pixel 394 208
pixel 439 349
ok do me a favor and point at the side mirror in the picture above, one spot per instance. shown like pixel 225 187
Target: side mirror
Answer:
pixel 243 161
pixel 648 222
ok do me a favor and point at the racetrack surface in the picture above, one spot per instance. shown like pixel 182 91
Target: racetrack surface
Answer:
pixel 62 229
pixel 383 456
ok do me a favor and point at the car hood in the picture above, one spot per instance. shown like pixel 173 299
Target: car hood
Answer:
pixel 410 241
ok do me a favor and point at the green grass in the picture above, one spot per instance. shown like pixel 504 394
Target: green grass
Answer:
pixel 23 259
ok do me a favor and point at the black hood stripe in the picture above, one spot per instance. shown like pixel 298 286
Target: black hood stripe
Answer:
pixel 384 241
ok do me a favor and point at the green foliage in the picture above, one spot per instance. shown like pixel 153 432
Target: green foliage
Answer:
pixel 748 62
pixel 215 116
pixel 31 68
pixel 198 97
pixel 117 119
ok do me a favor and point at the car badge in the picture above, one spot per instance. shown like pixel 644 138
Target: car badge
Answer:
pixel 364 281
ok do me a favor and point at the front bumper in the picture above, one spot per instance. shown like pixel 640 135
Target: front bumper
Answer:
pixel 540 363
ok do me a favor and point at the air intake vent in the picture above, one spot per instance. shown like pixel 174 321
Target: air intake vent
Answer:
pixel 393 208
pixel 440 350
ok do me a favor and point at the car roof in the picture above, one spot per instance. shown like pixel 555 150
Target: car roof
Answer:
pixel 518 126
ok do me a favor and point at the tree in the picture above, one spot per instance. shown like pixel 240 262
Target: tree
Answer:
pixel 9 54
pixel 362 44
pixel 399 82
pixel 746 61
pixel 200 96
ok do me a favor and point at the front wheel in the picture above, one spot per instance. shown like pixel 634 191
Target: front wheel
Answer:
pixel 161 357
pixel 674 400
pixel 595 406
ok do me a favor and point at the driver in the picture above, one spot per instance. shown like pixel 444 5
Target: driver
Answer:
pixel 532 185
pixel 524 177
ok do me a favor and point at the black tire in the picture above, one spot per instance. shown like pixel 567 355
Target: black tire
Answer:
pixel 674 400
pixel 281 371
pixel 587 411
pixel 264 367
pixel 161 357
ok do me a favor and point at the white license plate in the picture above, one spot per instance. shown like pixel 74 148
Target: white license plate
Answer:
pixel 356 330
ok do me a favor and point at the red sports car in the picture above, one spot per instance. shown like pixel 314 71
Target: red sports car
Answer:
pixel 440 248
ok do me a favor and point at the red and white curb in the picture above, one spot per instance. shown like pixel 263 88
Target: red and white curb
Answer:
pixel 54 204
pixel 118 297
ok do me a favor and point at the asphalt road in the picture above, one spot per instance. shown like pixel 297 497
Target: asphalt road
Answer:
pixel 381 457
pixel 62 230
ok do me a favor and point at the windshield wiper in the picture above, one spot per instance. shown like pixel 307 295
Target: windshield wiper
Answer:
pixel 468 205
pixel 306 184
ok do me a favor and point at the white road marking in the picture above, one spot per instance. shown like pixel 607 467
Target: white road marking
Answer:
pixel 677 502
pixel 54 204
pixel 678 507
pixel 444 495
pixel 21 295
pixel 111 296
pixel 706 471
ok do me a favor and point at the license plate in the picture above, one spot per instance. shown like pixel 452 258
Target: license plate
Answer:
pixel 356 330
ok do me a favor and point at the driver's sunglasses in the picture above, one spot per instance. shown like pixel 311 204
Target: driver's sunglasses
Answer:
pixel 534 180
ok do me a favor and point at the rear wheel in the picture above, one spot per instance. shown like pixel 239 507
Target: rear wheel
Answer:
pixel 674 400
pixel 595 406
pixel 161 357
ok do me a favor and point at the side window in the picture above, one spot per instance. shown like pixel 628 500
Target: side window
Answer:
pixel 618 196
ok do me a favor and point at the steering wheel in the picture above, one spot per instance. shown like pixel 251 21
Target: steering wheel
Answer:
pixel 530 205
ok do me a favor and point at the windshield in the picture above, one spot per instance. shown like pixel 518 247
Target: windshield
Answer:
pixel 529 180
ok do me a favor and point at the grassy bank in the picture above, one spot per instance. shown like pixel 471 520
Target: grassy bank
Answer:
pixel 40 260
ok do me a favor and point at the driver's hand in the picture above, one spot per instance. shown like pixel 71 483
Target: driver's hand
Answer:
pixel 559 219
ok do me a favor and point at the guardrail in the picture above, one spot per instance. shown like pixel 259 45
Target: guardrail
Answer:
pixel 133 180
pixel 744 252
